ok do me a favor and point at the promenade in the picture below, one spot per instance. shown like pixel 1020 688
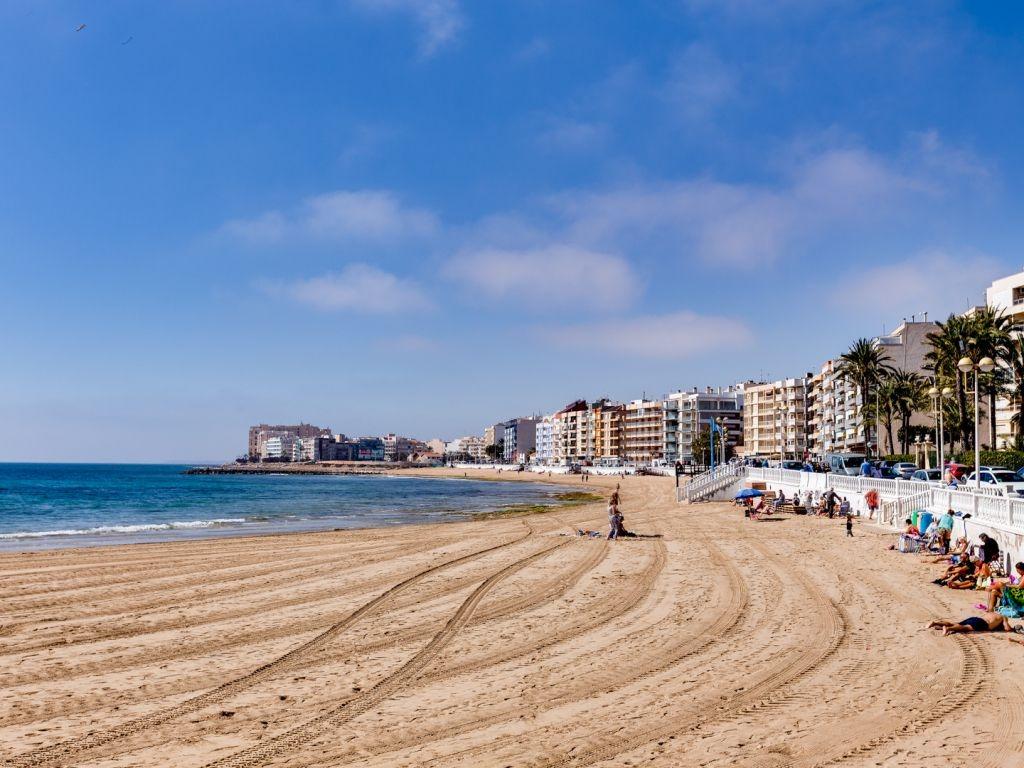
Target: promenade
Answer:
pixel 722 642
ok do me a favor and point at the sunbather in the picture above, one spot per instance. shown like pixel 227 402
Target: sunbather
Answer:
pixel 954 554
pixel 987 622
pixel 1014 587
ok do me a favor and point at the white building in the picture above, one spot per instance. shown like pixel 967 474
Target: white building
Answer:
pixel 686 414
pixel 278 448
pixel 1006 295
pixel 546 429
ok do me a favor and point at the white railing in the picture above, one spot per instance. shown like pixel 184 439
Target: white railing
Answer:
pixel 708 483
pixel 987 506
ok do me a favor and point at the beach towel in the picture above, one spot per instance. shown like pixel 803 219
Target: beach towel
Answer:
pixel 1012 603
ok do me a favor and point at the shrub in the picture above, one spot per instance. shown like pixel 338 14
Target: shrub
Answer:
pixel 1012 460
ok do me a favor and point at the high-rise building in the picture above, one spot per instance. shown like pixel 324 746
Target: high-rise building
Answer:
pixel 687 414
pixel 260 433
pixel 1006 295
pixel 775 418
pixel 519 440
pixel 609 426
pixel 643 432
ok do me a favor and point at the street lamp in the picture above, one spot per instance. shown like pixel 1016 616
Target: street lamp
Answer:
pixel 938 397
pixel 984 366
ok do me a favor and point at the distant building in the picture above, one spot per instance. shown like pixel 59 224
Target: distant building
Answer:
pixel 687 414
pixel 1006 295
pixel 260 433
pixel 278 448
pixel 436 446
pixel 643 432
pixel 468 448
pixel 519 439
pixel 398 448
pixel 546 430
pixel 495 435
pixel 775 418
pixel 609 433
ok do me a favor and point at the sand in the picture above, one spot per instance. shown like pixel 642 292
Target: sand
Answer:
pixel 503 643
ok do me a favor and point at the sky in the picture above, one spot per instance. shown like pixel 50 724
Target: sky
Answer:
pixel 426 216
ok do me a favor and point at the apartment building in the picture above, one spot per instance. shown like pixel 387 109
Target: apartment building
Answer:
pixel 1006 295
pixel 494 435
pixel 576 438
pixel 548 440
pixel 686 414
pixel 643 432
pixel 775 418
pixel 609 433
pixel 468 448
pixel 260 433
pixel 520 439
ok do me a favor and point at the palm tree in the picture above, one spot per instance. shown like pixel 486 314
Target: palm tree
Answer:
pixel 865 365
pixel 885 410
pixel 908 397
pixel 990 338
pixel 952 341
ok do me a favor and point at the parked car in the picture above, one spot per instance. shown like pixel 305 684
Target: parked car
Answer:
pixel 1004 479
pixel 790 464
pixel 844 463
pixel 927 475
pixel 904 469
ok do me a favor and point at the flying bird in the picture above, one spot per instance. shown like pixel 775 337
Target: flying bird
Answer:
pixel 80 27
pixel 130 38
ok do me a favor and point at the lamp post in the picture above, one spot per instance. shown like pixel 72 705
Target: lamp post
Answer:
pixel 938 399
pixel 983 366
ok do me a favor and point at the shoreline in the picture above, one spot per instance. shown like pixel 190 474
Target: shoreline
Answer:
pixel 187 534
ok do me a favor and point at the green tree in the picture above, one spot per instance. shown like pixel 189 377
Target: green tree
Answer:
pixel 909 395
pixel 991 337
pixel 886 410
pixel 865 365
pixel 951 341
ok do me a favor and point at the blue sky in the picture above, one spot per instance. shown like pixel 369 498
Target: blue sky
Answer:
pixel 427 215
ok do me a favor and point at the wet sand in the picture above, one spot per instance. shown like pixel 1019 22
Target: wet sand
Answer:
pixel 503 643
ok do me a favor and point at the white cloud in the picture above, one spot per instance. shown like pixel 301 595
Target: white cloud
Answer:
pixel 672 336
pixel 554 275
pixel 932 281
pixel 537 48
pixel 566 134
pixel 440 21
pixel 698 83
pixel 363 215
pixel 373 215
pixel 742 223
pixel 356 288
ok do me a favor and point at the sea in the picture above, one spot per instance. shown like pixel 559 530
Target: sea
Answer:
pixel 60 505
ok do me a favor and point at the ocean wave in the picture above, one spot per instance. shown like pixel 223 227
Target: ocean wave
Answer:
pixel 140 528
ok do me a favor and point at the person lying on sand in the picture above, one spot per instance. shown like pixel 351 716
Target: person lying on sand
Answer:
pixel 982 574
pixel 987 622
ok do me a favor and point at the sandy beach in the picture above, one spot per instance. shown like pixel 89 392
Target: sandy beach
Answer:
pixel 504 642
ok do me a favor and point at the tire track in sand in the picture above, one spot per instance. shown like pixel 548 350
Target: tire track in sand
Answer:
pixel 262 753
pixel 61 752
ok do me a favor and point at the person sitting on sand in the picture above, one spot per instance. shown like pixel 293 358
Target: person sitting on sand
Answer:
pixel 961 575
pixel 989 548
pixel 614 523
pixel 987 622
pixel 1012 586
pixel 955 554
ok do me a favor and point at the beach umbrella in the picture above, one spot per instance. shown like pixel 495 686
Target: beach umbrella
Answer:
pixel 749 493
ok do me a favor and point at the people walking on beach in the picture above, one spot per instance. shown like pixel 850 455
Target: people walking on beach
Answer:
pixel 849 523
pixel 872 499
